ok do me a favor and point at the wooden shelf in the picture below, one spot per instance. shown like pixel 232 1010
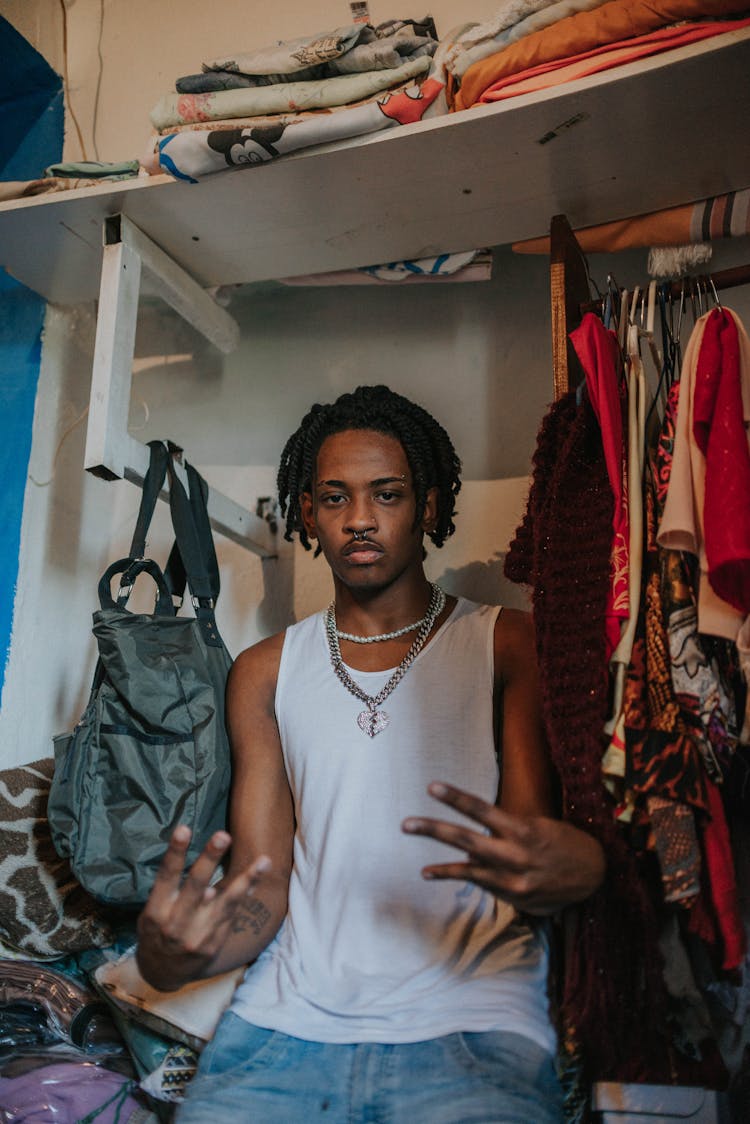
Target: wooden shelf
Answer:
pixel 648 135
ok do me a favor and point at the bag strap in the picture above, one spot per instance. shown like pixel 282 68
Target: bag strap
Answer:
pixel 193 535
pixel 152 484
pixel 197 543
pixel 174 572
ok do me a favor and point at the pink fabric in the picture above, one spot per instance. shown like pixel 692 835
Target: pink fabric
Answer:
pixel 719 431
pixel 599 353
pixel 722 883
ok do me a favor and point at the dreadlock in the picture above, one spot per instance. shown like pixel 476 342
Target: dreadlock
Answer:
pixel 429 451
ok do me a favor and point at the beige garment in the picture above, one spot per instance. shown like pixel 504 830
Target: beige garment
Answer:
pixel 614 760
pixel 743 653
pixel 681 526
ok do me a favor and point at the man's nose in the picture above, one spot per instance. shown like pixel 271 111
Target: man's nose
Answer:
pixel 361 516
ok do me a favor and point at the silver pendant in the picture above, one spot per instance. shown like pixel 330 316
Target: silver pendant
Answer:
pixel 371 722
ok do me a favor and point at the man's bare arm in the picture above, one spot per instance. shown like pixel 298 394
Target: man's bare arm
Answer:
pixel 190 929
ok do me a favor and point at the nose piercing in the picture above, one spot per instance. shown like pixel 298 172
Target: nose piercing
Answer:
pixel 359 536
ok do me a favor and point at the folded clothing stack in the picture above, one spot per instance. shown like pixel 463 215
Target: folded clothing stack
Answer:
pixel 251 107
pixel 533 44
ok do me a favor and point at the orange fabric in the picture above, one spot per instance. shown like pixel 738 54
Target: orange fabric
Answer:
pixel 612 22
pixel 660 228
pixel 558 71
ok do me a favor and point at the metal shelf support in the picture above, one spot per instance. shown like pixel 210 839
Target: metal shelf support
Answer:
pixel 111 452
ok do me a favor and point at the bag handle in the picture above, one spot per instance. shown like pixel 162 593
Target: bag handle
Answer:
pixel 133 567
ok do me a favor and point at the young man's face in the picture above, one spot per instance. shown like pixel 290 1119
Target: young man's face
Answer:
pixel 362 508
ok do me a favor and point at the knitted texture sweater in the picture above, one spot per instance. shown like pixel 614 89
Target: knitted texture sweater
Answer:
pixel 612 994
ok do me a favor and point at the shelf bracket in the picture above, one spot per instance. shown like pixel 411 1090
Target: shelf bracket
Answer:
pixel 111 452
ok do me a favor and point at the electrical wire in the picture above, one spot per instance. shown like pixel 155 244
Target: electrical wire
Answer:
pixel 95 118
pixel 66 79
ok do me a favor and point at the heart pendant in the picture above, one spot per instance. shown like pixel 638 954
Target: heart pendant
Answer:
pixel 371 722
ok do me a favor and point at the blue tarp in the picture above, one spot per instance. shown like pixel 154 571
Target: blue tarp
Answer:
pixel 31 105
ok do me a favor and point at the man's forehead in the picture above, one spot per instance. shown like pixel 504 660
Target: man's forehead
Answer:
pixel 361 451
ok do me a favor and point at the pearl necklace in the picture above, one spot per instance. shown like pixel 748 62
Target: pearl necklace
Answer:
pixel 386 635
pixel 373 720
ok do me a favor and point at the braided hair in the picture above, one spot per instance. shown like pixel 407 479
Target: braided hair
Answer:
pixel 432 459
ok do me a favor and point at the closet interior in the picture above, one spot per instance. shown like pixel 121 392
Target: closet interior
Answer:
pixel 489 176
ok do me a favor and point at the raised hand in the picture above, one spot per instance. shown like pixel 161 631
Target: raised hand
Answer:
pixel 186 924
pixel 535 863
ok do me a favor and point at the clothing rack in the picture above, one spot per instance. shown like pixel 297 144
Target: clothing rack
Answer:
pixel 730 278
pixel 571 298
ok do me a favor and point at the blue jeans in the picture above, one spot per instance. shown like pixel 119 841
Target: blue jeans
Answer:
pixel 266 1077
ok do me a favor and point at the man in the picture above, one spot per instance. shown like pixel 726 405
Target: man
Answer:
pixel 385 983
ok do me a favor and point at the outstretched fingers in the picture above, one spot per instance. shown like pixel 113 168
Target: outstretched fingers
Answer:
pixel 496 851
pixel 173 884
pixel 494 819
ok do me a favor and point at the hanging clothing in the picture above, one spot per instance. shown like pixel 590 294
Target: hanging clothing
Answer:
pixel 613 976
pixel 599 354
pixel 703 706
pixel 721 414
pixel 682 522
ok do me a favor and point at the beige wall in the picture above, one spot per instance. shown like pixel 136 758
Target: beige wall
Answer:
pixel 145 44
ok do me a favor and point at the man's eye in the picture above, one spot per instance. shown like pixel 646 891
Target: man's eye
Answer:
pixel 387 495
pixel 334 499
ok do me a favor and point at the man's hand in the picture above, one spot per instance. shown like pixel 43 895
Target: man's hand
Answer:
pixel 186 921
pixel 535 863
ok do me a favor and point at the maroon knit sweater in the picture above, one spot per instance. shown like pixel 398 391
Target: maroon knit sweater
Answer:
pixel 612 1002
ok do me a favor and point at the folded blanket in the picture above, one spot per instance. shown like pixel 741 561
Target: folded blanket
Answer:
pixel 610 23
pixel 382 53
pixel 559 71
pixel 472 265
pixel 181 109
pixel 294 54
pixel 723 216
pixel 269 120
pixel 190 155
pixel 516 19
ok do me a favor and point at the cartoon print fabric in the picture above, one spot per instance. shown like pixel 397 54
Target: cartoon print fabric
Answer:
pixel 189 155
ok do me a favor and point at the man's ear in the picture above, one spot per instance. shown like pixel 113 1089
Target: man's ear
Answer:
pixel 308 517
pixel 430 514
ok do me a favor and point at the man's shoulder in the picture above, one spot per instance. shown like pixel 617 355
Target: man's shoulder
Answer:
pixel 258 665
pixel 515 648
pixel 262 659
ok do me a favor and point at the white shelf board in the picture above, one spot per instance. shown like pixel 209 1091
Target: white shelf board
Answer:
pixel 652 134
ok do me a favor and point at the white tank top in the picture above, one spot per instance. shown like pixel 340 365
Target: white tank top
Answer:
pixel 370 951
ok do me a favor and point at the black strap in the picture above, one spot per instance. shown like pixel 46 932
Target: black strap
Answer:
pixel 174 572
pixel 194 526
pixel 152 484
pixel 193 533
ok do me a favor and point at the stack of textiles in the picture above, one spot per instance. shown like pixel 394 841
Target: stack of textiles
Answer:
pixel 254 106
pixel 533 44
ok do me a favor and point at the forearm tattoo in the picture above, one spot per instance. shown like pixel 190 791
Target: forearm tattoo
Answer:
pixel 251 914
